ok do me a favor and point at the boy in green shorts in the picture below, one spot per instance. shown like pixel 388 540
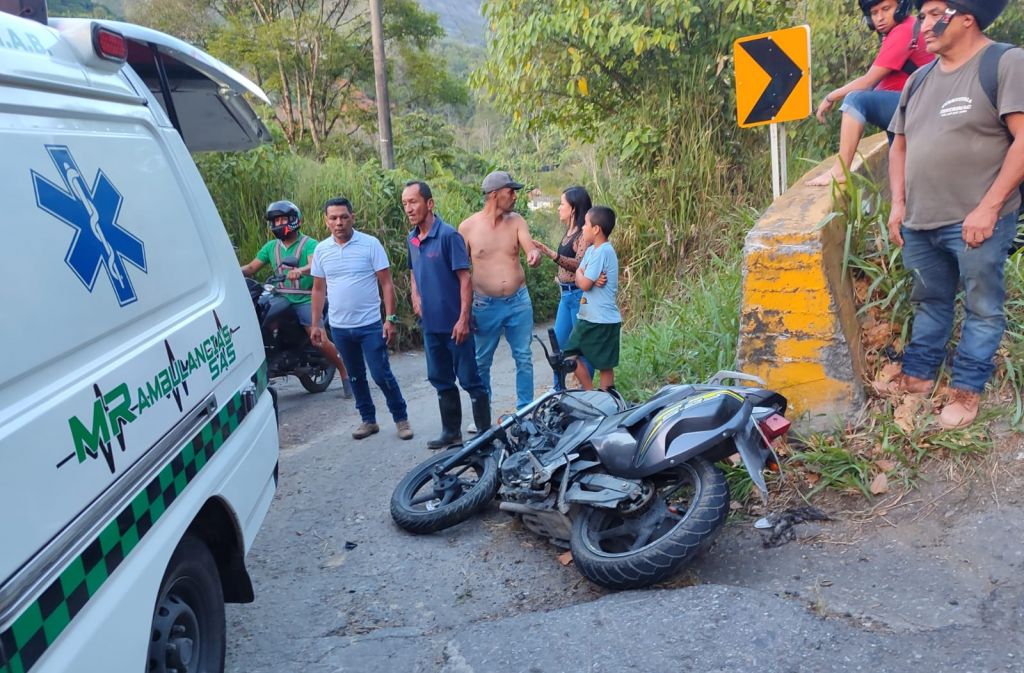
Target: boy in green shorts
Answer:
pixel 596 335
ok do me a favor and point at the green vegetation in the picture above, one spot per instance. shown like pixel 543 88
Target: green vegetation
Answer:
pixel 632 99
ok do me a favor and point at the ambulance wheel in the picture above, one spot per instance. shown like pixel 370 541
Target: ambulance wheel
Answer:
pixel 318 380
pixel 188 632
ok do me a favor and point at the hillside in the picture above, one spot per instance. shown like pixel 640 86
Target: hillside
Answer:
pixel 86 8
pixel 461 19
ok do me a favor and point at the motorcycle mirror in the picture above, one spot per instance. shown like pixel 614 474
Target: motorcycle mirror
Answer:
pixel 290 261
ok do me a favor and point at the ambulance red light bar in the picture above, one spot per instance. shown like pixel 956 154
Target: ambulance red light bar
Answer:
pixel 109 44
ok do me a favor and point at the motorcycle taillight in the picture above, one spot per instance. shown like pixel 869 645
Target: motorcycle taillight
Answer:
pixel 774 426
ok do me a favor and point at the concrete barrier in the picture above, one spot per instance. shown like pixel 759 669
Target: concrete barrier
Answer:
pixel 798 324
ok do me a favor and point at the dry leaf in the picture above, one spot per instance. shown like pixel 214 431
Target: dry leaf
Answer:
pixel 880 484
pixel 565 558
pixel 812 478
pixel 906 415
pixel 885 465
pixel 888 371
pixel 877 336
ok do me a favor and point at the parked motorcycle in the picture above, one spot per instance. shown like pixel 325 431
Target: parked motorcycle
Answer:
pixel 288 348
pixel 633 491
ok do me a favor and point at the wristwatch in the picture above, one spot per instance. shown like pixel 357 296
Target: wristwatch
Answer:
pixel 392 318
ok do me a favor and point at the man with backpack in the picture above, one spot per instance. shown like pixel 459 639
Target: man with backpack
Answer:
pixel 955 169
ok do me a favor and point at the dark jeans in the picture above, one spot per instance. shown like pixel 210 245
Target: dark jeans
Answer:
pixel 446 361
pixel 939 262
pixel 362 347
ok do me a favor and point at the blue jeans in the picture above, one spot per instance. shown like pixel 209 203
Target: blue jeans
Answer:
pixel 513 316
pixel 565 319
pixel 362 347
pixel 446 360
pixel 872 107
pixel 939 260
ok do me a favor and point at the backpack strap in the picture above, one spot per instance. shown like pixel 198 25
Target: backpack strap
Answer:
pixel 914 83
pixel 988 71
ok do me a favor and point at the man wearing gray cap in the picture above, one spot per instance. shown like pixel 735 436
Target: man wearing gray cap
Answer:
pixel 501 303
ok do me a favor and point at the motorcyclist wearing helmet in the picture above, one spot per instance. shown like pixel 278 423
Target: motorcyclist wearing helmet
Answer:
pixel 284 220
pixel 954 169
pixel 872 97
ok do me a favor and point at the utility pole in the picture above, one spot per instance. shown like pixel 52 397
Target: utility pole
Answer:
pixel 380 69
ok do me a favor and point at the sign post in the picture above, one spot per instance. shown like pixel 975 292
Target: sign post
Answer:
pixel 780 179
pixel 773 85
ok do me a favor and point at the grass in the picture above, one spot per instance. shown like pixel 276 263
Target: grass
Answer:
pixel 897 437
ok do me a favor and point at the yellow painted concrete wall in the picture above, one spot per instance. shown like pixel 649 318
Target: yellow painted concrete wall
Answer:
pixel 798 323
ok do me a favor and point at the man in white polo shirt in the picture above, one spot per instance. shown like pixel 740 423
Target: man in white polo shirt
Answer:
pixel 347 268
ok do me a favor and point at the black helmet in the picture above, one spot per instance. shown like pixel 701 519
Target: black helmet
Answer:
pixel 983 11
pixel 288 209
pixel 902 10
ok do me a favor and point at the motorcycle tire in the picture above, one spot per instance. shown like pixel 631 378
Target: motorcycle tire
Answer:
pixel 318 382
pixel 632 551
pixel 418 506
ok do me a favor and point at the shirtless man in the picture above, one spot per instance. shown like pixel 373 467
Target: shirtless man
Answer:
pixel 494 237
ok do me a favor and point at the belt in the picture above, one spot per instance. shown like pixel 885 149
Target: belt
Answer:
pixel 568 287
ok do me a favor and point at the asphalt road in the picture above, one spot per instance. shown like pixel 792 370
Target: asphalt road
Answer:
pixel 934 584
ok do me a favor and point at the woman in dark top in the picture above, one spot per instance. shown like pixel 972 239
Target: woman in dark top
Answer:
pixel 571 210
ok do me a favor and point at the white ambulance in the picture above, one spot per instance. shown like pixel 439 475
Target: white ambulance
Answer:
pixel 138 441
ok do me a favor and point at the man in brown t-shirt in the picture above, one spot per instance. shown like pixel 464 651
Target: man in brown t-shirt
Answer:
pixel 955 167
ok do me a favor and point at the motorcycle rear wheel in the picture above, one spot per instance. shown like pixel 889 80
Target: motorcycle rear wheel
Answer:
pixel 631 551
pixel 422 505
pixel 318 381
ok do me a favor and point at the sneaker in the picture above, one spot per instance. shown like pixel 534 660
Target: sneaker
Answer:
pixel 961 409
pixel 472 429
pixel 365 430
pixel 346 388
pixel 404 431
pixel 904 384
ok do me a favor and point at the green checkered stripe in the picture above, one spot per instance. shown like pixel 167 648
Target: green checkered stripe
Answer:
pixel 38 627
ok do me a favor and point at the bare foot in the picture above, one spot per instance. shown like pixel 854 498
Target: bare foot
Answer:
pixel 826 179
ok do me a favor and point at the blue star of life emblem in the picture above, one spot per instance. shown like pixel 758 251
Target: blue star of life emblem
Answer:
pixel 99 241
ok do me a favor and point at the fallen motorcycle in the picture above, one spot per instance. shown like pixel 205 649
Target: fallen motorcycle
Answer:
pixel 633 491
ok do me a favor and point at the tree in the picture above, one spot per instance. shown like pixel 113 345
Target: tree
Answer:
pixel 587 68
pixel 312 56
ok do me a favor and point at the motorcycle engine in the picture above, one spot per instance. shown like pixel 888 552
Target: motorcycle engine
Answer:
pixel 518 471
pixel 284 361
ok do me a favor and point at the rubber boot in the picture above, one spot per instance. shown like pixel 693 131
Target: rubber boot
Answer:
pixel 482 413
pixel 451 421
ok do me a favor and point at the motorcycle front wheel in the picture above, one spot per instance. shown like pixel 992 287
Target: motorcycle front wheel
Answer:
pixel 317 380
pixel 632 550
pixel 426 501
